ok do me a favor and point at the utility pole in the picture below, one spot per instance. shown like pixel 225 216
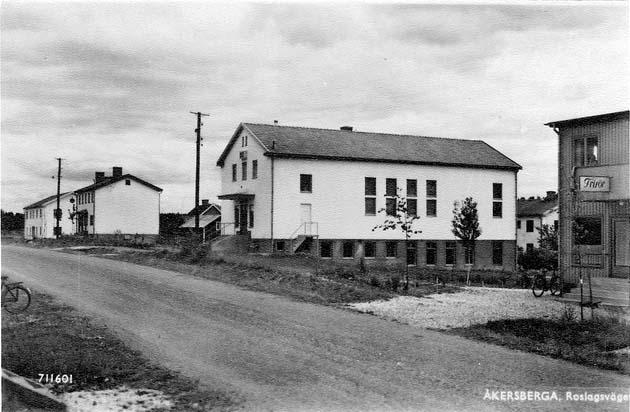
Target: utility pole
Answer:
pixel 58 210
pixel 198 131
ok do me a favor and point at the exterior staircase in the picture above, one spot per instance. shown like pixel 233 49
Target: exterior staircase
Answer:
pixel 606 291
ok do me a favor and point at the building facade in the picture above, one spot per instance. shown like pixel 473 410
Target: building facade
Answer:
pixel 119 204
pixel 285 187
pixel 40 220
pixel 531 215
pixel 594 195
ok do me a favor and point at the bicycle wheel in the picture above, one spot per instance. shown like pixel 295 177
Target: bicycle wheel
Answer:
pixel 554 286
pixel 538 287
pixel 17 299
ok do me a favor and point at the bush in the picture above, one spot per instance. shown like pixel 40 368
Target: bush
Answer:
pixel 538 258
pixel 374 281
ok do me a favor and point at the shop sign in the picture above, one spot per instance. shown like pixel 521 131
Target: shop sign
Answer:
pixel 594 183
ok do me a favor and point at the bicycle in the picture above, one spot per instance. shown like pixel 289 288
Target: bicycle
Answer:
pixel 540 284
pixel 15 297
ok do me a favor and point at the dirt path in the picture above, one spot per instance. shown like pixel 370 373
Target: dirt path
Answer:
pixel 285 355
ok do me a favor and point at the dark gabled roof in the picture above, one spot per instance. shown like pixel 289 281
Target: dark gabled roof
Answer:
pixel 204 208
pixel 589 119
pixel 44 201
pixel 534 207
pixel 110 180
pixel 310 143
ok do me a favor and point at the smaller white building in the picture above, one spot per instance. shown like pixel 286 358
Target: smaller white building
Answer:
pixel 119 204
pixel 39 217
pixel 532 214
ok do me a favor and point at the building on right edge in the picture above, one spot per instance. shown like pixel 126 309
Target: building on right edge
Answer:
pixel 594 196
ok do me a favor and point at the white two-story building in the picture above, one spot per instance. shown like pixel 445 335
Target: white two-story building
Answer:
pixel 118 204
pixel 40 220
pixel 531 215
pixel 294 189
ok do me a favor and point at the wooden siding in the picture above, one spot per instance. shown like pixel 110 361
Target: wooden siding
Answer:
pixel 614 157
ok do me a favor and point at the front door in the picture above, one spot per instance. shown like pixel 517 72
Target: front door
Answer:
pixel 305 218
pixel 621 247
pixel 244 207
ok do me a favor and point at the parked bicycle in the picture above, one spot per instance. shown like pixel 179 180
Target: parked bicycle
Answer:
pixel 16 298
pixel 540 284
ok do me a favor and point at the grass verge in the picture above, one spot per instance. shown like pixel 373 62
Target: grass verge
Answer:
pixel 593 343
pixel 51 338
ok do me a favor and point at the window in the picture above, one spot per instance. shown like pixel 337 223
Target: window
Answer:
pixel 237 217
pixel 529 225
pixel 244 140
pixel 370 195
pixel 412 188
pixel 518 224
pixel 587 231
pixel 412 207
pixel 370 250
pixel 431 195
pixel 370 206
pixel 91 220
pixel 431 188
pixel 390 187
pixel 586 151
pixel 469 255
pixel 555 224
pixel 431 207
pixel 251 216
pixel 497 193
pixel 325 249
pixel 127 182
pixel 431 253
pixel 497 209
pixel 280 245
pixel 254 169
pixel 497 252
pixel 391 249
pixel 390 206
pixel 497 190
pixel 529 247
pixel 451 253
pixel 234 172
pixel 306 183
pixel 244 170
pixel 348 249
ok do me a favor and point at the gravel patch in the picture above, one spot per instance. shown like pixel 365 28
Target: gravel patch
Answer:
pixel 473 305
pixel 120 399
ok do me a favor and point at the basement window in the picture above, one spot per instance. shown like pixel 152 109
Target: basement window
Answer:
pixel 279 245
pixel 348 249
pixel 325 250
pixel 391 249
pixel 370 250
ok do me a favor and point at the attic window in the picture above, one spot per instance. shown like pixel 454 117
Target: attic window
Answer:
pixel 128 182
pixel 244 140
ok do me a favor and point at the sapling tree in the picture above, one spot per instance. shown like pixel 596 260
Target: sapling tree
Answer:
pixel 466 226
pixel 400 217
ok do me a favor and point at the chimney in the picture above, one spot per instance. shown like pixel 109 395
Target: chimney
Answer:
pixel 275 122
pixel 98 176
pixel 204 202
pixel 116 171
pixel 346 128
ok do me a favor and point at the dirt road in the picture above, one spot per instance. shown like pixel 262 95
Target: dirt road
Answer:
pixel 286 355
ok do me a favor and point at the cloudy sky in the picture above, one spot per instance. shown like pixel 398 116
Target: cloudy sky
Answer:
pixel 112 84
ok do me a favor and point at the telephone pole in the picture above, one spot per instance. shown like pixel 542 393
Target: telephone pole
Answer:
pixel 198 131
pixel 58 210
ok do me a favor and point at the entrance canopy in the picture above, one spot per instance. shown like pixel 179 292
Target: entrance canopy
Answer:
pixel 237 196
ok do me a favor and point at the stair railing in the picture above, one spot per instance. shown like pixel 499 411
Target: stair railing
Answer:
pixel 304 229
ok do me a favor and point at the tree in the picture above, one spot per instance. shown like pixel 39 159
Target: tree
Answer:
pixel 466 225
pixel 548 237
pixel 400 217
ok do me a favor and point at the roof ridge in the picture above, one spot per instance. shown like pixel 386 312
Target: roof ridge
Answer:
pixel 365 132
